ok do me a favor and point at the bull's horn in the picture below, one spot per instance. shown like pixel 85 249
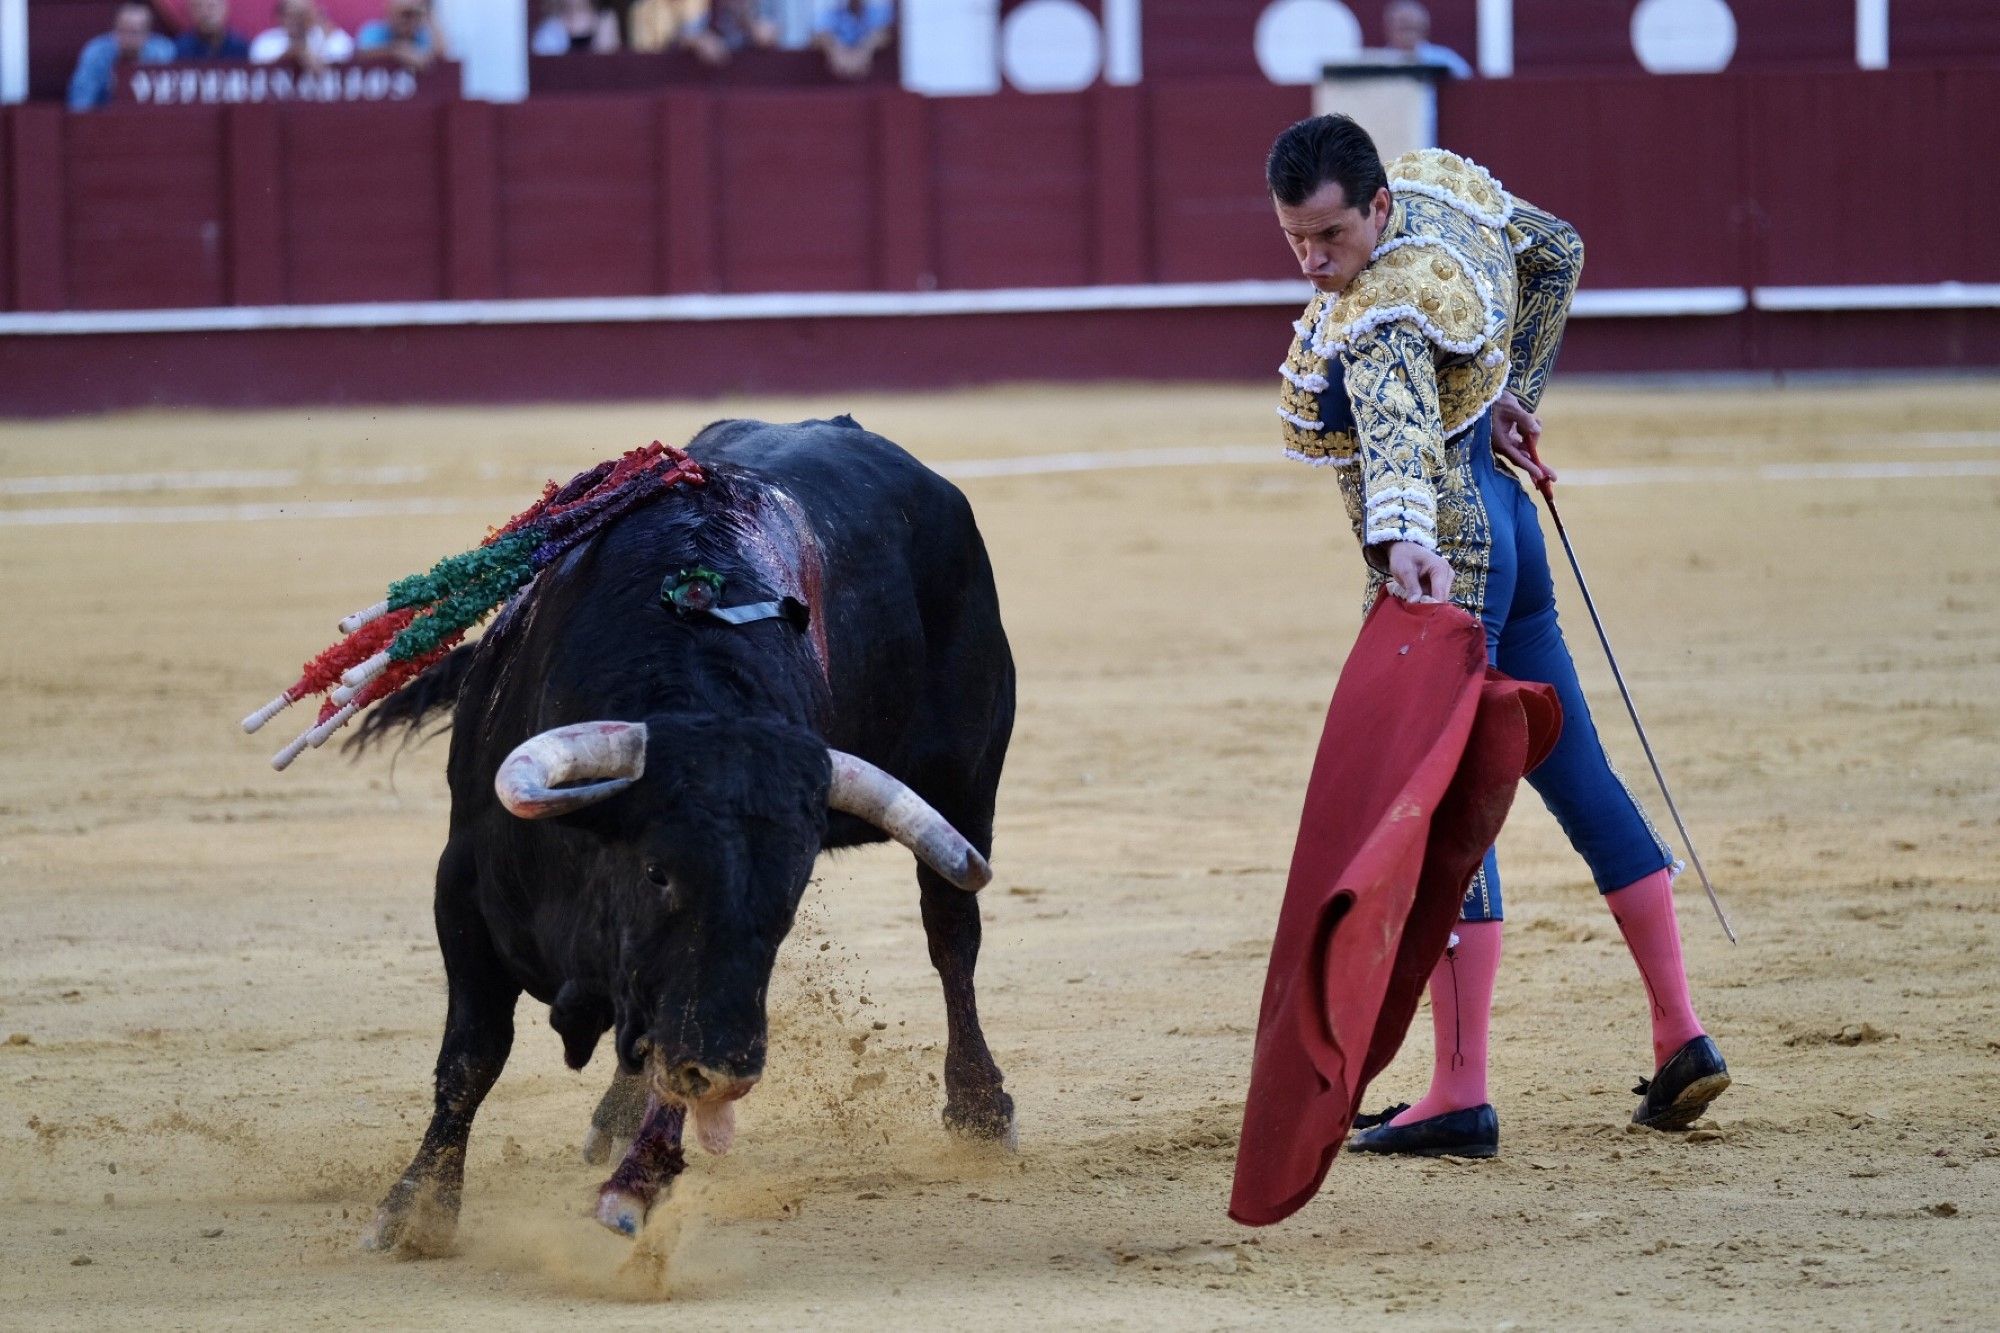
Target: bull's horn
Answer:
pixel 866 792
pixel 603 757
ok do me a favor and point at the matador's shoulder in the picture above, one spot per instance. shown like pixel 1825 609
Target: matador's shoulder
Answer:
pixel 1415 282
pixel 1456 181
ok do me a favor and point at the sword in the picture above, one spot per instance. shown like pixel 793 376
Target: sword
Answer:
pixel 1548 490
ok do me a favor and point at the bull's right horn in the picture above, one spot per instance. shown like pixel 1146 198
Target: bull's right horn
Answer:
pixel 603 757
pixel 866 792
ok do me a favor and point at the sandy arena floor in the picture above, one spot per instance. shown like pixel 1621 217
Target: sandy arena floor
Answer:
pixel 219 992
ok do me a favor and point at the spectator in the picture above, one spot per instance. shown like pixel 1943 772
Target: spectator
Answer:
pixel 658 25
pixel 409 35
pixel 304 37
pixel 209 36
pixel 731 26
pixel 1408 24
pixel 131 41
pixel 573 27
pixel 852 32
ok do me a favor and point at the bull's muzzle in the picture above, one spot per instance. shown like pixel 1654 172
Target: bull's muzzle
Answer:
pixel 570 767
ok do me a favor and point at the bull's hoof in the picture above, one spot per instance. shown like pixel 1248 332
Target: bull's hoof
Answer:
pixel 412 1223
pixel 990 1121
pixel 621 1210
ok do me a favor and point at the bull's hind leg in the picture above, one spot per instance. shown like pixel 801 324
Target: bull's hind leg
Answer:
pixel 419 1216
pixel 975 1103
pixel 615 1122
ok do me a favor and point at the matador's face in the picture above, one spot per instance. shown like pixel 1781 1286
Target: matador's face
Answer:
pixel 1331 240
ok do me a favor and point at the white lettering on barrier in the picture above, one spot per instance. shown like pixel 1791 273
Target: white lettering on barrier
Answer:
pixel 226 87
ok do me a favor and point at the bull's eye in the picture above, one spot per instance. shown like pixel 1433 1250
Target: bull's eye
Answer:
pixel 657 875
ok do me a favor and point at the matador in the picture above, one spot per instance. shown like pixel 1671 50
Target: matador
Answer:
pixel 1439 306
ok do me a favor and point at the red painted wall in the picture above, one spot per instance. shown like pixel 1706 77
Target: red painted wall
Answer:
pixel 1721 180
pixel 1709 180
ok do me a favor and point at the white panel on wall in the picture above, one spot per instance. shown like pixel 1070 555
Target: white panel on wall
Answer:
pixel 951 47
pixel 1683 36
pixel 1051 46
pixel 1297 39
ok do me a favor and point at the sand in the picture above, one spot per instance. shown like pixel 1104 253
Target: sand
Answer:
pixel 220 994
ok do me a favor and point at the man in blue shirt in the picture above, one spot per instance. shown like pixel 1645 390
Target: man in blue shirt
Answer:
pixel 1408 25
pixel 209 36
pixel 852 32
pixel 409 35
pixel 131 41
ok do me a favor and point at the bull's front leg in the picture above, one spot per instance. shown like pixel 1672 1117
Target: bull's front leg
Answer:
pixel 975 1103
pixel 648 1171
pixel 419 1216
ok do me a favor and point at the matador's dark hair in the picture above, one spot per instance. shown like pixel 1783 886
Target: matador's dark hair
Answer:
pixel 1321 149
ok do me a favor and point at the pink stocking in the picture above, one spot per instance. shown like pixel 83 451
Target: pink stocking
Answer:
pixel 1461 1010
pixel 1644 912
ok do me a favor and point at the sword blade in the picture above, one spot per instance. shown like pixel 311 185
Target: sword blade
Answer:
pixel 1632 710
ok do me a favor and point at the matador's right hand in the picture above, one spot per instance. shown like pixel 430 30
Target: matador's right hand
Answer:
pixel 1418 574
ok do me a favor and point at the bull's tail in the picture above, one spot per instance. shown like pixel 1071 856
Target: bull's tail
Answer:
pixel 433 691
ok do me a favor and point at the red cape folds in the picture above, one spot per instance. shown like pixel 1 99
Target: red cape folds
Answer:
pixel 1422 751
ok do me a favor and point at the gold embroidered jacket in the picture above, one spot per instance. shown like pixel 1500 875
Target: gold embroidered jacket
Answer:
pixel 1465 297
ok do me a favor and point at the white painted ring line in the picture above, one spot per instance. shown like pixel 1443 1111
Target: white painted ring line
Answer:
pixel 1590 303
pixel 1037 465
pixel 252 479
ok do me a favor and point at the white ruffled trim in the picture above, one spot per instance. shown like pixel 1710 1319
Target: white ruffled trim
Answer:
pixel 1303 423
pixel 1309 383
pixel 1394 314
pixel 1375 536
pixel 1423 497
pixel 1522 246
pixel 1497 221
pixel 1321 460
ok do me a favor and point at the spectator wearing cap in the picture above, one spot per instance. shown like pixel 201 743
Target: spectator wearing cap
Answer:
pixel 409 35
pixel 131 41
pixel 209 36
pixel 304 37
pixel 1408 25
pixel 851 33
pixel 574 27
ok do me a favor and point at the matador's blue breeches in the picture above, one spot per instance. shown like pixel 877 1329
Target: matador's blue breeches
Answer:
pixel 1507 575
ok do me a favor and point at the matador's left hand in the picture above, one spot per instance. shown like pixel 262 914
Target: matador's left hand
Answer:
pixel 1516 432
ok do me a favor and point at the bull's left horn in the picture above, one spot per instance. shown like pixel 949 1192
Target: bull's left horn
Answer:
pixel 603 757
pixel 866 792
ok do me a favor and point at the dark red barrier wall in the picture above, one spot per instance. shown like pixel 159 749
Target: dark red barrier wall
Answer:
pixel 1695 181
pixel 765 190
pixel 1780 179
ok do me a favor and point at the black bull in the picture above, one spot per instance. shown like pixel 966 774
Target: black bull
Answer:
pixel 656 912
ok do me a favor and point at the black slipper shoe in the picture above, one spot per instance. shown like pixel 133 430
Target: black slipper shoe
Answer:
pixel 1472 1132
pixel 1675 1097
